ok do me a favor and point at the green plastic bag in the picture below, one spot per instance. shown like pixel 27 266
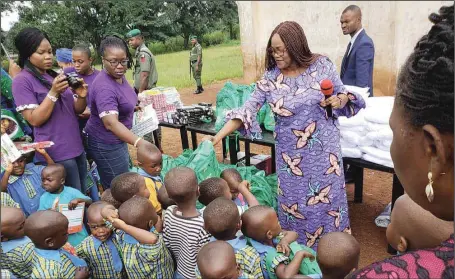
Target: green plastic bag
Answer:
pixel 307 267
pixel 233 96
pixel 203 161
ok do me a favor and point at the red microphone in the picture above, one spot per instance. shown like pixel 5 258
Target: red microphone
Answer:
pixel 327 90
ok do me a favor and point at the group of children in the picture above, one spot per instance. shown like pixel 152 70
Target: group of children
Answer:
pixel 147 228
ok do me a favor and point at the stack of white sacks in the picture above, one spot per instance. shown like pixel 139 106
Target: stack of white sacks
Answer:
pixel 367 135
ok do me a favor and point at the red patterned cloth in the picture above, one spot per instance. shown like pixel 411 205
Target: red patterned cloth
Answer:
pixel 427 263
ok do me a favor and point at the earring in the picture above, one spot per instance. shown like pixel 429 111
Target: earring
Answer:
pixel 429 189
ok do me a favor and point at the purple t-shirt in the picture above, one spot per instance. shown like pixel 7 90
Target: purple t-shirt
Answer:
pixel 110 97
pixel 62 127
pixel 87 78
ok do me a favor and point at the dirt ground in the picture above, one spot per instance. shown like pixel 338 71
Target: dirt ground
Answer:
pixel 377 185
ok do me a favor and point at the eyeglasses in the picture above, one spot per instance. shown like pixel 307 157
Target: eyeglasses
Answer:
pixel 278 53
pixel 114 63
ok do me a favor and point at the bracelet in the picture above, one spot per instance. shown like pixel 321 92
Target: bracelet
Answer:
pixel 135 143
pixel 52 98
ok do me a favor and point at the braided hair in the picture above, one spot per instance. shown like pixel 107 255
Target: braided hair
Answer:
pixel 425 85
pixel 295 41
pixel 114 41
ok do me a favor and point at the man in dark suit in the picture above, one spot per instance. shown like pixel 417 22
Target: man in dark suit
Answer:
pixel 357 65
pixel 358 60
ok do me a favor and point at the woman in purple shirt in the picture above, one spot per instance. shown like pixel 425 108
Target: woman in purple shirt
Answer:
pixel 112 104
pixel 45 101
pixel 82 61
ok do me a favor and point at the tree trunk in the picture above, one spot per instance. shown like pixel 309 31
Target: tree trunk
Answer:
pixel 231 30
pixel 186 36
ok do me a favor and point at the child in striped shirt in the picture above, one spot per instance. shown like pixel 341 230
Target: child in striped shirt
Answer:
pixel 101 249
pixel 48 230
pixel 183 229
pixel 139 235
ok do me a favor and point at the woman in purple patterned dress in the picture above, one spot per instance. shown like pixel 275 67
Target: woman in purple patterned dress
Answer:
pixel 311 189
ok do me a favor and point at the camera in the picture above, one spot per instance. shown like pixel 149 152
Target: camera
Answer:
pixel 73 80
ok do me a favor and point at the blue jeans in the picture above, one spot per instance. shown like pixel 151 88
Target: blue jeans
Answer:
pixel 76 172
pixel 111 159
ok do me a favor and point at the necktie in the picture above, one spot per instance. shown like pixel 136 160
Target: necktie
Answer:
pixel 345 60
pixel 115 255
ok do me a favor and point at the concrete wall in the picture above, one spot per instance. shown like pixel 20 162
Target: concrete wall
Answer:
pixel 394 26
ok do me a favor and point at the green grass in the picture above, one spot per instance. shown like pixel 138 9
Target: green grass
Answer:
pixel 219 63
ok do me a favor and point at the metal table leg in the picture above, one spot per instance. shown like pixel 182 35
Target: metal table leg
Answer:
pixel 223 141
pixel 194 139
pixel 357 172
pixel 232 149
pixel 184 138
pixel 247 153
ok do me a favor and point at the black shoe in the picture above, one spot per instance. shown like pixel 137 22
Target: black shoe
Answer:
pixel 198 91
pixel 202 89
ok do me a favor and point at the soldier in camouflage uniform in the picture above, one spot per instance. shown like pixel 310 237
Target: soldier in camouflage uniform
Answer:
pixel 196 63
pixel 145 74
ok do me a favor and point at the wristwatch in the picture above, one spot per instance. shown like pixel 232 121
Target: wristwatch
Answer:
pixel 53 99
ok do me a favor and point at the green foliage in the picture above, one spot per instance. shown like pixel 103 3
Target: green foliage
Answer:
pixel 172 44
pixel 169 22
pixel 214 38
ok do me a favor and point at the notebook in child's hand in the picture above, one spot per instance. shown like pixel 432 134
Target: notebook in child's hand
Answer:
pixel 74 216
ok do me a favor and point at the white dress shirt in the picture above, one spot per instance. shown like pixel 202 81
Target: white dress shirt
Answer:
pixel 353 39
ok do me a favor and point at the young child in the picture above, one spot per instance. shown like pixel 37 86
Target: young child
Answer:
pixel 101 249
pixel 215 187
pixel 7 201
pixel 23 182
pixel 222 221
pixel 58 194
pixel 106 196
pixel 217 260
pixel 17 249
pixel 150 169
pixel 338 255
pixel 233 179
pixel 139 232
pixel 48 230
pixel 128 184
pixel 183 230
pixel 414 228
pixel 275 246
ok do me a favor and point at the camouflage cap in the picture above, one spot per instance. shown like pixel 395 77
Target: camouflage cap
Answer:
pixel 193 37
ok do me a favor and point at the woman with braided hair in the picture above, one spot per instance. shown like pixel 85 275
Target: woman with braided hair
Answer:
pixel 423 146
pixel 311 190
pixel 112 106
